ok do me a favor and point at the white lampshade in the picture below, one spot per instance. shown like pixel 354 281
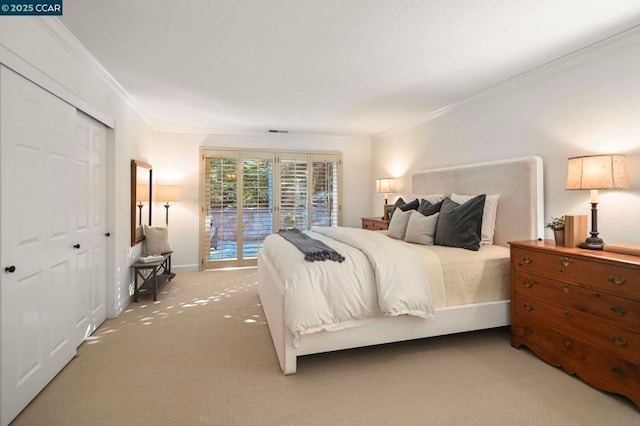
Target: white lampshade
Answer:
pixel 597 172
pixel 385 185
pixel 166 192
pixel 142 192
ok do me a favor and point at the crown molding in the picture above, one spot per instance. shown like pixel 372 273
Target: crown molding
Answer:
pixel 592 50
pixel 59 32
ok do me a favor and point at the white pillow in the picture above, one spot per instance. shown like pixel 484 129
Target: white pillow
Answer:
pixel 421 229
pixel 156 240
pixel 488 215
pixel 398 224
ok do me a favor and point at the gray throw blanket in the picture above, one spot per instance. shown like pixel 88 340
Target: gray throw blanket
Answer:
pixel 311 248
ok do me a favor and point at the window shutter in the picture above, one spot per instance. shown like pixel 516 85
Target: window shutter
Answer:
pixel 257 201
pixel 293 191
pixel 220 185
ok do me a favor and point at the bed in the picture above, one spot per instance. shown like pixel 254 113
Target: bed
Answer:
pixel 518 182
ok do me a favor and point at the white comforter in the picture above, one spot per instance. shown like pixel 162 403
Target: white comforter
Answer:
pixel 379 277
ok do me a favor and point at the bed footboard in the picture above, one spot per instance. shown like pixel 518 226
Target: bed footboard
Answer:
pixel 271 293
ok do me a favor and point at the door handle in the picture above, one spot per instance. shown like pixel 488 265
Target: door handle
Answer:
pixel 76 246
pixel 10 269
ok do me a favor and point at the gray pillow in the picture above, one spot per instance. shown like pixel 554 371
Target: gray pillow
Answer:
pixel 421 229
pixel 460 225
pixel 427 208
pixel 398 224
pixel 156 240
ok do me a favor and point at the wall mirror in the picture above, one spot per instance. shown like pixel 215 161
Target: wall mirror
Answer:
pixel 141 196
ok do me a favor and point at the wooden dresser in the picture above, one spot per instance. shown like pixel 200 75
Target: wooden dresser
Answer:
pixel 374 223
pixel 580 310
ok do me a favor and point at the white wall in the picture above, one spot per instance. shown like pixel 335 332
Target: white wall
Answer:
pixel 175 161
pixel 587 104
pixel 31 48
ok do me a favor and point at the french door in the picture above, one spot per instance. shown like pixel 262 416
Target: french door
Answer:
pixel 246 195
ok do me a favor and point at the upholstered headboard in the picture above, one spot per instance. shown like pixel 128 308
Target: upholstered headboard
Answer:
pixel 518 181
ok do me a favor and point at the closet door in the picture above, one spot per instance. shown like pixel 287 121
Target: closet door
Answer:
pixel 88 224
pixel 47 252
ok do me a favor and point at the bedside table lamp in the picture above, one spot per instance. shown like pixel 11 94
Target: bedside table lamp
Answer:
pixel 167 193
pixel 596 172
pixel 385 186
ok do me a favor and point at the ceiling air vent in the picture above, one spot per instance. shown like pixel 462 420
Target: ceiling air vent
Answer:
pixel 277 131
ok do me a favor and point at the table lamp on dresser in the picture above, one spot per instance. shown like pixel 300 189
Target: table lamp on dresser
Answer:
pixel 596 172
pixel 385 186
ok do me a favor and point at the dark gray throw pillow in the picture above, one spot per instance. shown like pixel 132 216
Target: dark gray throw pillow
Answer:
pixel 400 204
pixel 411 205
pixel 427 208
pixel 460 225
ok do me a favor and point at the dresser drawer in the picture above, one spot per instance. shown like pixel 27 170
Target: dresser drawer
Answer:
pixel 599 275
pixel 619 311
pixel 600 368
pixel 622 342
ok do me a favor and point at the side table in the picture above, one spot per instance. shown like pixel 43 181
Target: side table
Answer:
pixel 153 276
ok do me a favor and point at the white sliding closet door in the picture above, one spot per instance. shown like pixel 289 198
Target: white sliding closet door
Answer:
pixel 52 207
pixel 88 224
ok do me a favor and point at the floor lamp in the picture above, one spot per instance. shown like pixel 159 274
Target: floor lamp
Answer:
pixel 596 172
pixel 166 193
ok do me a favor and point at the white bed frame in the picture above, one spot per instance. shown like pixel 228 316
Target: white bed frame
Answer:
pixel 520 217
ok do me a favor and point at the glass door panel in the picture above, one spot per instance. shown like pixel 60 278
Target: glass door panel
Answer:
pixel 257 201
pixel 294 192
pixel 221 210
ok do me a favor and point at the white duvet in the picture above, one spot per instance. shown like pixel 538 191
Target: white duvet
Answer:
pixel 379 277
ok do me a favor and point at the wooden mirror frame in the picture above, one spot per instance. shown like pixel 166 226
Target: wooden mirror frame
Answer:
pixel 139 179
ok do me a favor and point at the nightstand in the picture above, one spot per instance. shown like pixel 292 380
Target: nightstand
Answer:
pixel 375 223
pixel 580 310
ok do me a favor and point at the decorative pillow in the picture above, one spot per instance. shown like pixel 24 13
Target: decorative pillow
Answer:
pixel 411 205
pixel 488 216
pixel 432 198
pixel 421 229
pixel 156 240
pixel 427 208
pixel 459 225
pixel 400 204
pixel 398 224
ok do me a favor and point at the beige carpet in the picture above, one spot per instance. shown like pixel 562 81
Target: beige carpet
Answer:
pixel 202 355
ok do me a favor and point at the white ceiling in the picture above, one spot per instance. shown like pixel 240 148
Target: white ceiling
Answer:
pixel 348 67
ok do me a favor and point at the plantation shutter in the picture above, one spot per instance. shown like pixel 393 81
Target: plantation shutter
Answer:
pixel 257 201
pixel 325 195
pixel 294 190
pixel 220 206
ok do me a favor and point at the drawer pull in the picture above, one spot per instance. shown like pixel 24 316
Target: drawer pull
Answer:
pixel 618 341
pixel 616 280
pixel 528 306
pixel 566 261
pixel 618 371
pixel 567 314
pixel 618 310
pixel 527 283
pixel 566 341
pixel 528 331
pixel 566 287
pixel 527 260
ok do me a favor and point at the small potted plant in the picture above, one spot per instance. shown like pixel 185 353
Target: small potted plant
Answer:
pixel 557 225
